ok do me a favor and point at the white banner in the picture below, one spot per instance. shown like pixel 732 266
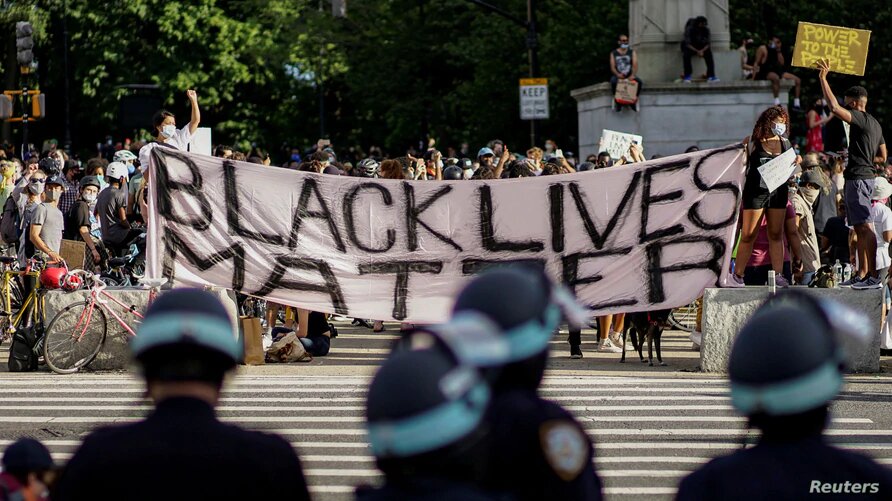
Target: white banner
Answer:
pixel 618 143
pixel 631 238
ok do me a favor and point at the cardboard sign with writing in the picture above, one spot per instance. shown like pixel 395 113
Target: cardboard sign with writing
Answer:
pixel 626 91
pixel 845 48
pixel 618 143
pixel 778 170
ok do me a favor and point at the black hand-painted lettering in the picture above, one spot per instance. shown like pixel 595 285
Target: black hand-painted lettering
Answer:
pixel 556 206
pixel 488 232
pixel 402 270
pixel 656 270
pixel 571 278
pixel 311 188
pixel 350 222
pixel 175 245
pixel 164 187
pixel 233 208
pixel 694 212
pixel 648 200
pixel 598 239
pixel 473 266
pixel 413 214
pixel 285 263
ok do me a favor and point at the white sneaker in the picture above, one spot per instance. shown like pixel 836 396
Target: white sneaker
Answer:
pixel 616 339
pixel 732 281
pixel 605 346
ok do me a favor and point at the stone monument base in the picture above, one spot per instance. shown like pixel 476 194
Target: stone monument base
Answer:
pixel 674 116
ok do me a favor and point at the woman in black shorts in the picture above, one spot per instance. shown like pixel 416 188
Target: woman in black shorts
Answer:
pixel 766 143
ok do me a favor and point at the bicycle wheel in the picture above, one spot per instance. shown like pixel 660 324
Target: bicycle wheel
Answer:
pixel 684 318
pixel 72 339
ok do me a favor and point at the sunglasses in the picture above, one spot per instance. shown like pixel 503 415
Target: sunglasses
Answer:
pixel 38 180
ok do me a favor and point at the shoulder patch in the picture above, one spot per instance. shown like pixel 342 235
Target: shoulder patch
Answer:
pixel 565 447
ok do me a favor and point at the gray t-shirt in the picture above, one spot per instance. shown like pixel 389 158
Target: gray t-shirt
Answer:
pixel 51 222
pixel 110 200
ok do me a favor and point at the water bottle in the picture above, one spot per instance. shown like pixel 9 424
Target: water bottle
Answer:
pixel 847 272
pixel 772 284
pixel 837 274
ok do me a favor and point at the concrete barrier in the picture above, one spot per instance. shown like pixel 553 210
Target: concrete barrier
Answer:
pixel 115 353
pixel 726 310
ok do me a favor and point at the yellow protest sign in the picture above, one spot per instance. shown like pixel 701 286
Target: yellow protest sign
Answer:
pixel 845 48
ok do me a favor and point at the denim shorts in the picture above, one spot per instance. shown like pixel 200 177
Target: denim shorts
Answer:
pixel 857 199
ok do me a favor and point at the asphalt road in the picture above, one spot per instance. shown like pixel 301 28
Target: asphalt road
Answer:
pixel 650 425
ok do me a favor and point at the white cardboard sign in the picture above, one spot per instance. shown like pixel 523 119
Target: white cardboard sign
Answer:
pixel 618 143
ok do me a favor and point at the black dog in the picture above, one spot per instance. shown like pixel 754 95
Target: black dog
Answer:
pixel 649 324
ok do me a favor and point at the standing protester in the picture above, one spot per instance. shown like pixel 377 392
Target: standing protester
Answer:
pixel 787 398
pixel 164 127
pixel 540 451
pixel 810 185
pixel 624 66
pixel 71 174
pixel 697 42
pixel 81 219
pixel 28 471
pixel 881 217
pixel 817 117
pixel 111 207
pixel 866 146
pixel 184 348
pixel 767 142
pixel 47 222
pixel 771 64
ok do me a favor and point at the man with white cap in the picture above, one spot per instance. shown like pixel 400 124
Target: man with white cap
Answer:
pixel 881 217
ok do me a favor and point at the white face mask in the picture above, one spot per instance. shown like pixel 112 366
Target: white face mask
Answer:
pixel 778 128
pixel 168 131
pixel 809 194
pixel 89 197
pixel 36 188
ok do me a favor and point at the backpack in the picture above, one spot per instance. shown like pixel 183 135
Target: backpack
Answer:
pixel 22 351
pixel 823 278
pixel 10 221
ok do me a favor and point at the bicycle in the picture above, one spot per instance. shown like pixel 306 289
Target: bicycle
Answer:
pixel 76 334
pixel 685 317
pixel 19 312
pixel 121 271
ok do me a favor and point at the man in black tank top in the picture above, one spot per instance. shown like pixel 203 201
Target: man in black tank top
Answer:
pixel 624 65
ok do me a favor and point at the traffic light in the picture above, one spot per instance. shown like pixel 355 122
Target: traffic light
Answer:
pixel 24 43
pixel 38 106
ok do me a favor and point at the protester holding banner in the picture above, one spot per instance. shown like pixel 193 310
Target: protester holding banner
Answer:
pixel 767 142
pixel 866 146
pixel 166 133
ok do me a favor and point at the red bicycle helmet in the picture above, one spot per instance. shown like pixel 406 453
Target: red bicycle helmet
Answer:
pixel 51 278
pixel 71 282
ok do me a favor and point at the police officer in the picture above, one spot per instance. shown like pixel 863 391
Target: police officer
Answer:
pixel 785 368
pixel 427 428
pixel 28 471
pixel 540 451
pixel 184 348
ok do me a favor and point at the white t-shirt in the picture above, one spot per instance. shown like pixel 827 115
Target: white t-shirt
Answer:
pixel 180 140
pixel 882 221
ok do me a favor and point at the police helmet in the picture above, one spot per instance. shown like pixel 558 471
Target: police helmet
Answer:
pixel 423 404
pixel 186 336
pixel 789 358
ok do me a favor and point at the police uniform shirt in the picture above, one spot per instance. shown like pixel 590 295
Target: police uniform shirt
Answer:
pixel 181 451
pixel 540 450
pixel 808 469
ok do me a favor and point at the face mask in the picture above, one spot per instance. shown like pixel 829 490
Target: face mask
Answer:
pixel 168 131
pixel 809 194
pixel 771 45
pixel 778 128
pixel 89 197
pixel 623 46
pixel 295 157
pixel 549 147
pixel 467 173
pixel 100 178
pixel 131 168
pixel 51 195
pixel 36 188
